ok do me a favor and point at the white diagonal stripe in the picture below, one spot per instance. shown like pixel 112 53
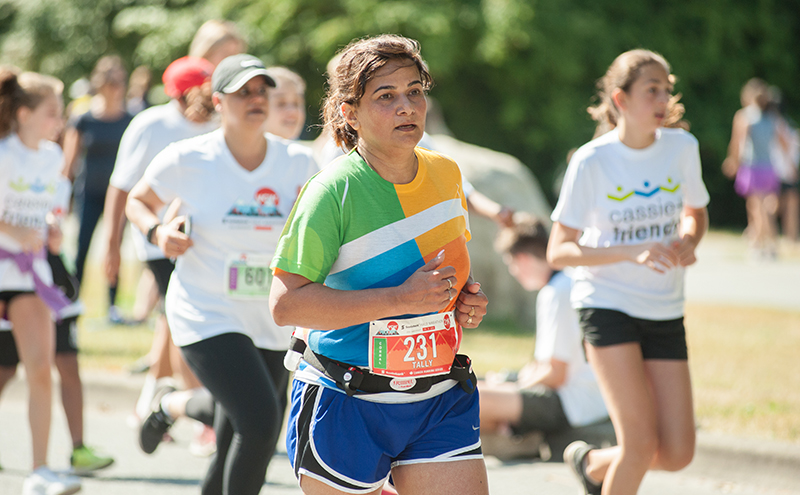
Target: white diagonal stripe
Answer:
pixel 390 236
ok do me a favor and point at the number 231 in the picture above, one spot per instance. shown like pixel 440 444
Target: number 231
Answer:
pixel 422 354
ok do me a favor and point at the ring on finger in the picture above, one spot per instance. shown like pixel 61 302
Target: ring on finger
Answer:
pixel 450 284
pixel 469 321
pixel 449 295
pixel 471 311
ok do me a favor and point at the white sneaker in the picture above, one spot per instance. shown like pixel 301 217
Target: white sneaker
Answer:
pixel 43 481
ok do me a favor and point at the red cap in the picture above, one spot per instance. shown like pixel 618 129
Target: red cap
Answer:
pixel 186 73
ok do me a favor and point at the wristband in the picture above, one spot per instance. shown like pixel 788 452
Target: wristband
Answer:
pixel 151 231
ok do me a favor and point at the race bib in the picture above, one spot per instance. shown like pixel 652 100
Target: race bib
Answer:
pixel 247 276
pixel 422 346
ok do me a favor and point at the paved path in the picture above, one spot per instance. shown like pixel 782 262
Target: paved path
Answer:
pixel 726 274
pixel 722 465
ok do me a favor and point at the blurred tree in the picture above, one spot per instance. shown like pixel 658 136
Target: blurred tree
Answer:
pixel 66 37
pixel 512 75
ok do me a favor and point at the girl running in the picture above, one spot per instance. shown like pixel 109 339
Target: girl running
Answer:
pixel 30 115
pixel 236 188
pixel 631 213
pixel 374 264
pixel 750 163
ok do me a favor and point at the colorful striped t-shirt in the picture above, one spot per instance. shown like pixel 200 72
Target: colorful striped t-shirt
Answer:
pixel 351 230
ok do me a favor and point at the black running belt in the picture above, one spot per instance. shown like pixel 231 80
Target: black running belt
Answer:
pixel 357 381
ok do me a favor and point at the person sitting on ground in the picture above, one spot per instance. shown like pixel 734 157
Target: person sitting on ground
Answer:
pixel 556 391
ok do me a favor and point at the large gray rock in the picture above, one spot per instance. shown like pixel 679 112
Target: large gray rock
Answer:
pixel 506 180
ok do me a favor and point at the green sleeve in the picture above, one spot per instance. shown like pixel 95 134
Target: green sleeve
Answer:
pixel 310 242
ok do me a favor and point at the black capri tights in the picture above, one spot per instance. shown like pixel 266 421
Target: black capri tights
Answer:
pixel 249 386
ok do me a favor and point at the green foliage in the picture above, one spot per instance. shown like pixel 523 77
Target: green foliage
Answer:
pixel 512 75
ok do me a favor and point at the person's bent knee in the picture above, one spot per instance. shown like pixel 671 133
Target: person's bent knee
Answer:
pixel 38 373
pixel 675 459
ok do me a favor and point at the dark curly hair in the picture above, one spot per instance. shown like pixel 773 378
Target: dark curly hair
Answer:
pixel 357 64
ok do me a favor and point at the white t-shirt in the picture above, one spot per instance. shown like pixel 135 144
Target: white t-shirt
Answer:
pixel 618 195
pixel 29 181
pixel 149 132
pixel 234 212
pixel 558 336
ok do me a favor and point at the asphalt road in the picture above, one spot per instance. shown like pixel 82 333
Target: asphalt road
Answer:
pixel 723 464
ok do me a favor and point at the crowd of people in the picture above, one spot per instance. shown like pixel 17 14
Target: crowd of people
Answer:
pixel 343 289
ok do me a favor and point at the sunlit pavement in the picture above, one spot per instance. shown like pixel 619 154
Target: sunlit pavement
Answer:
pixel 722 465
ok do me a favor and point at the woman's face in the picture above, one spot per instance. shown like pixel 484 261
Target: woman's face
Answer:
pixel 531 272
pixel 287 111
pixel 247 107
pixel 391 114
pixel 114 87
pixel 644 105
pixel 223 51
pixel 45 121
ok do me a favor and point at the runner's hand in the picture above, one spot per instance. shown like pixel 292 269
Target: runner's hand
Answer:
pixel 428 289
pixel 30 240
pixel 656 256
pixel 54 237
pixel 685 250
pixel 171 240
pixel 471 304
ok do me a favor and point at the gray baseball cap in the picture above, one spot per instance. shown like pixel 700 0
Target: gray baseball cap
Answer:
pixel 233 72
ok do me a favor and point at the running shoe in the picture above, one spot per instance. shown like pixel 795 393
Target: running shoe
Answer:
pixel 157 423
pixel 141 365
pixel 85 459
pixel 115 316
pixel 204 442
pixel 574 455
pixel 43 481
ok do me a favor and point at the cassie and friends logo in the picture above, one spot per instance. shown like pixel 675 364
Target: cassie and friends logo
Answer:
pixel 648 191
pixel 37 186
pixel 656 216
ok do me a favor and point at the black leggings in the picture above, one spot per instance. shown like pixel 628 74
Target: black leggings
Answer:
pixel 249 386
pixel 200 406
pixel 90 207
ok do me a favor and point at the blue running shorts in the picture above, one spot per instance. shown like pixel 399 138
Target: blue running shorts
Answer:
pixel 351 444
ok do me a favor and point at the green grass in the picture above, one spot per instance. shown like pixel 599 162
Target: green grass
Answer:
pixel 745 370
pixel 104 346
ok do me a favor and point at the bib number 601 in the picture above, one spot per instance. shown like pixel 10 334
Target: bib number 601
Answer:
pixel 255 276
pixel 422 354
